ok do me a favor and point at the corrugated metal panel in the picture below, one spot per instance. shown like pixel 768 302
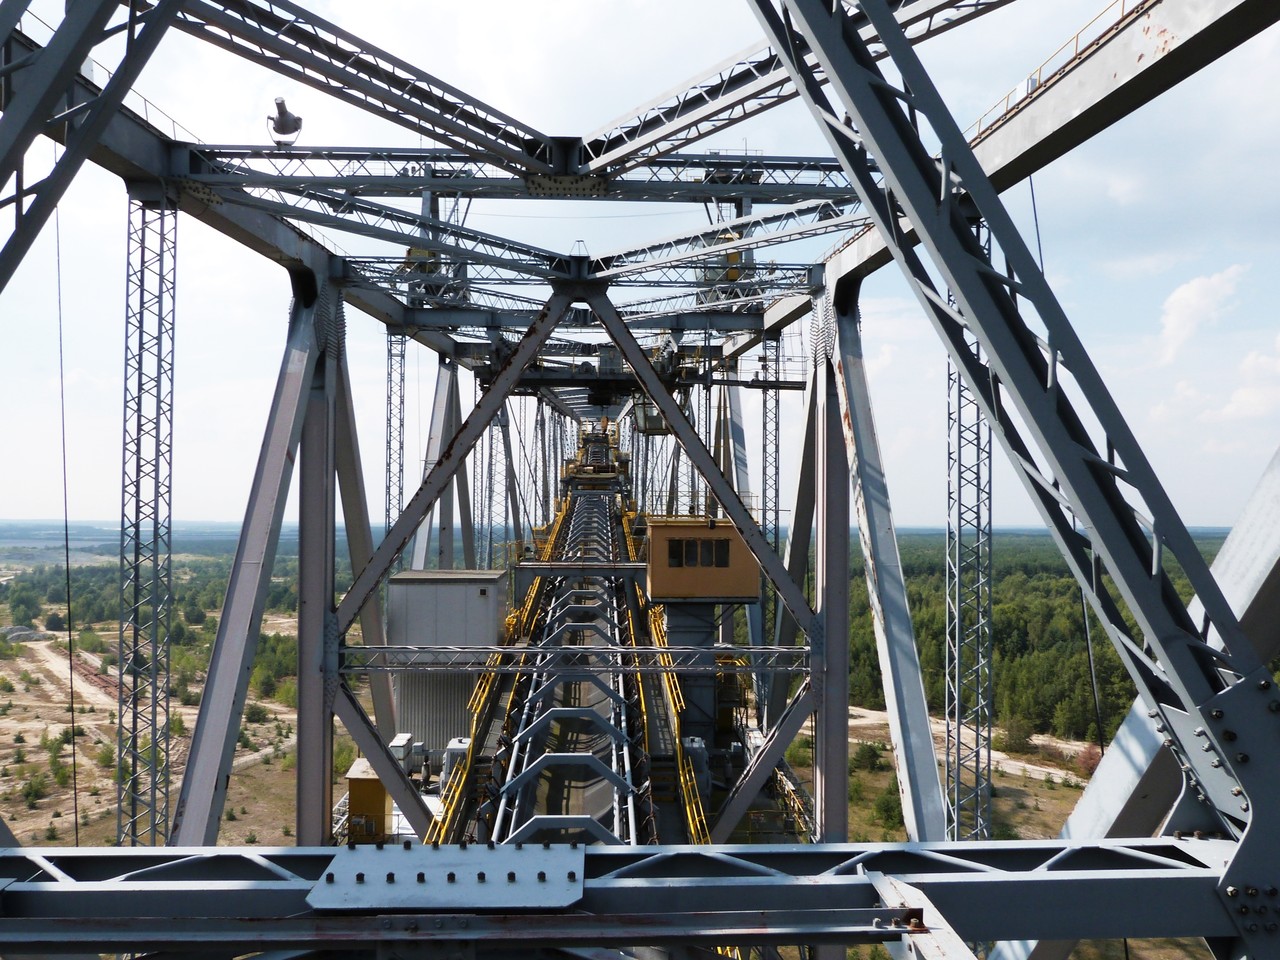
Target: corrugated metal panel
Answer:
pixel 455 607
pixel 432 707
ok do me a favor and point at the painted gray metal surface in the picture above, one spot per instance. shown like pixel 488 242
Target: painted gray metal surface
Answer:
pixel 356 522
pixel 198 812
pixel 397 877
pixel 47 79
pixel 450 461
pixel 697 451
pixel 202 899
pixel 317 501
pixel 923 803
pixel 146 560
pixel 828 640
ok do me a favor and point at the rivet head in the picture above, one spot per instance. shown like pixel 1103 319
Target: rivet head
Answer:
pixel 573 875
pixel 1250 891
pixel 359 878
pixel 511 876
pixel 408 844
pixel 542 876
pixel 1264 684
pixel 480 877
pixel 328 878
pixel 452 877
pixel 391 878
pixel 1229 735
pixel 1242 758
pixel 1274 706
pixel 1216 713
pixel 422 877
pixel 1231 891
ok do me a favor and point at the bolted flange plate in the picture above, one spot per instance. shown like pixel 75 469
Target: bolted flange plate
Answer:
pixel 453 878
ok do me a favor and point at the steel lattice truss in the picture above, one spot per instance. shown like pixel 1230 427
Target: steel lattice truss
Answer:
pixel 969 677
pixel 539 329
pixel 146 598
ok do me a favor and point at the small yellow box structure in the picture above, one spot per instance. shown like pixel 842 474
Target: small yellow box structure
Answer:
pixel 697 559
pixel 369 810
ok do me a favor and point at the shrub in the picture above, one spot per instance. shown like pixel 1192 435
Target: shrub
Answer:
pixel 34 789
pixel 256 713
pixel 867 757
pixel 287 693
pixel 887 808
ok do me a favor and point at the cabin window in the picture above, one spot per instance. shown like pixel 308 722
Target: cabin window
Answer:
pixel 697 553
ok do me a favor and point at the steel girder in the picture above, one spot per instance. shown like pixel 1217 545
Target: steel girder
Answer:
pixel 741 87
pixel 294 42
pixel 406 172
pixel 638 659
pixel 1103 83
pixel 1037 380
pixel 405 228
pixel 218 901
pixel 697 451
pixel 50 76
pixel 451 457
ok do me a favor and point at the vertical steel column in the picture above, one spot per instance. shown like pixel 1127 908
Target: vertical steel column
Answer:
pixel 437 432
pixel 146 594
pixel 356 521
pixel 770 464
pixel 829 642
pixel 969 682
pixel 213 740
pixel 507 490
pixel 395 428
pixel 923 803
pixel 317 475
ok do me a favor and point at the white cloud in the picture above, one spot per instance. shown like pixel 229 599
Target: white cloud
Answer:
pixel 1149 264
pixel 1257 394
pixel 1192 304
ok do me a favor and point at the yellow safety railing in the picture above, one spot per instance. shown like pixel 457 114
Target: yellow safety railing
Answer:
pixel 518 624
pixel 694 814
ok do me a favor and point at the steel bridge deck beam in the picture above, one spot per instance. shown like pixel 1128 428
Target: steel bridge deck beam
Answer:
pixel 204 900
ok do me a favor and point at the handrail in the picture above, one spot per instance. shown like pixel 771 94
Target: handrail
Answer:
pixel 1056 61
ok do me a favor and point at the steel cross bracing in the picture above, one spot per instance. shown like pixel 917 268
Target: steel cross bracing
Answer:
pixel 1042 373
pixel 737 89
pixel 969 699
pixel 1174 690
pixel 394 471
pixel 40 93
pixel 405 172
pixel 294 42
pixel 146 575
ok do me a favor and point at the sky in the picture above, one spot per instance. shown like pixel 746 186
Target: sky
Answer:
pixel 1157 237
